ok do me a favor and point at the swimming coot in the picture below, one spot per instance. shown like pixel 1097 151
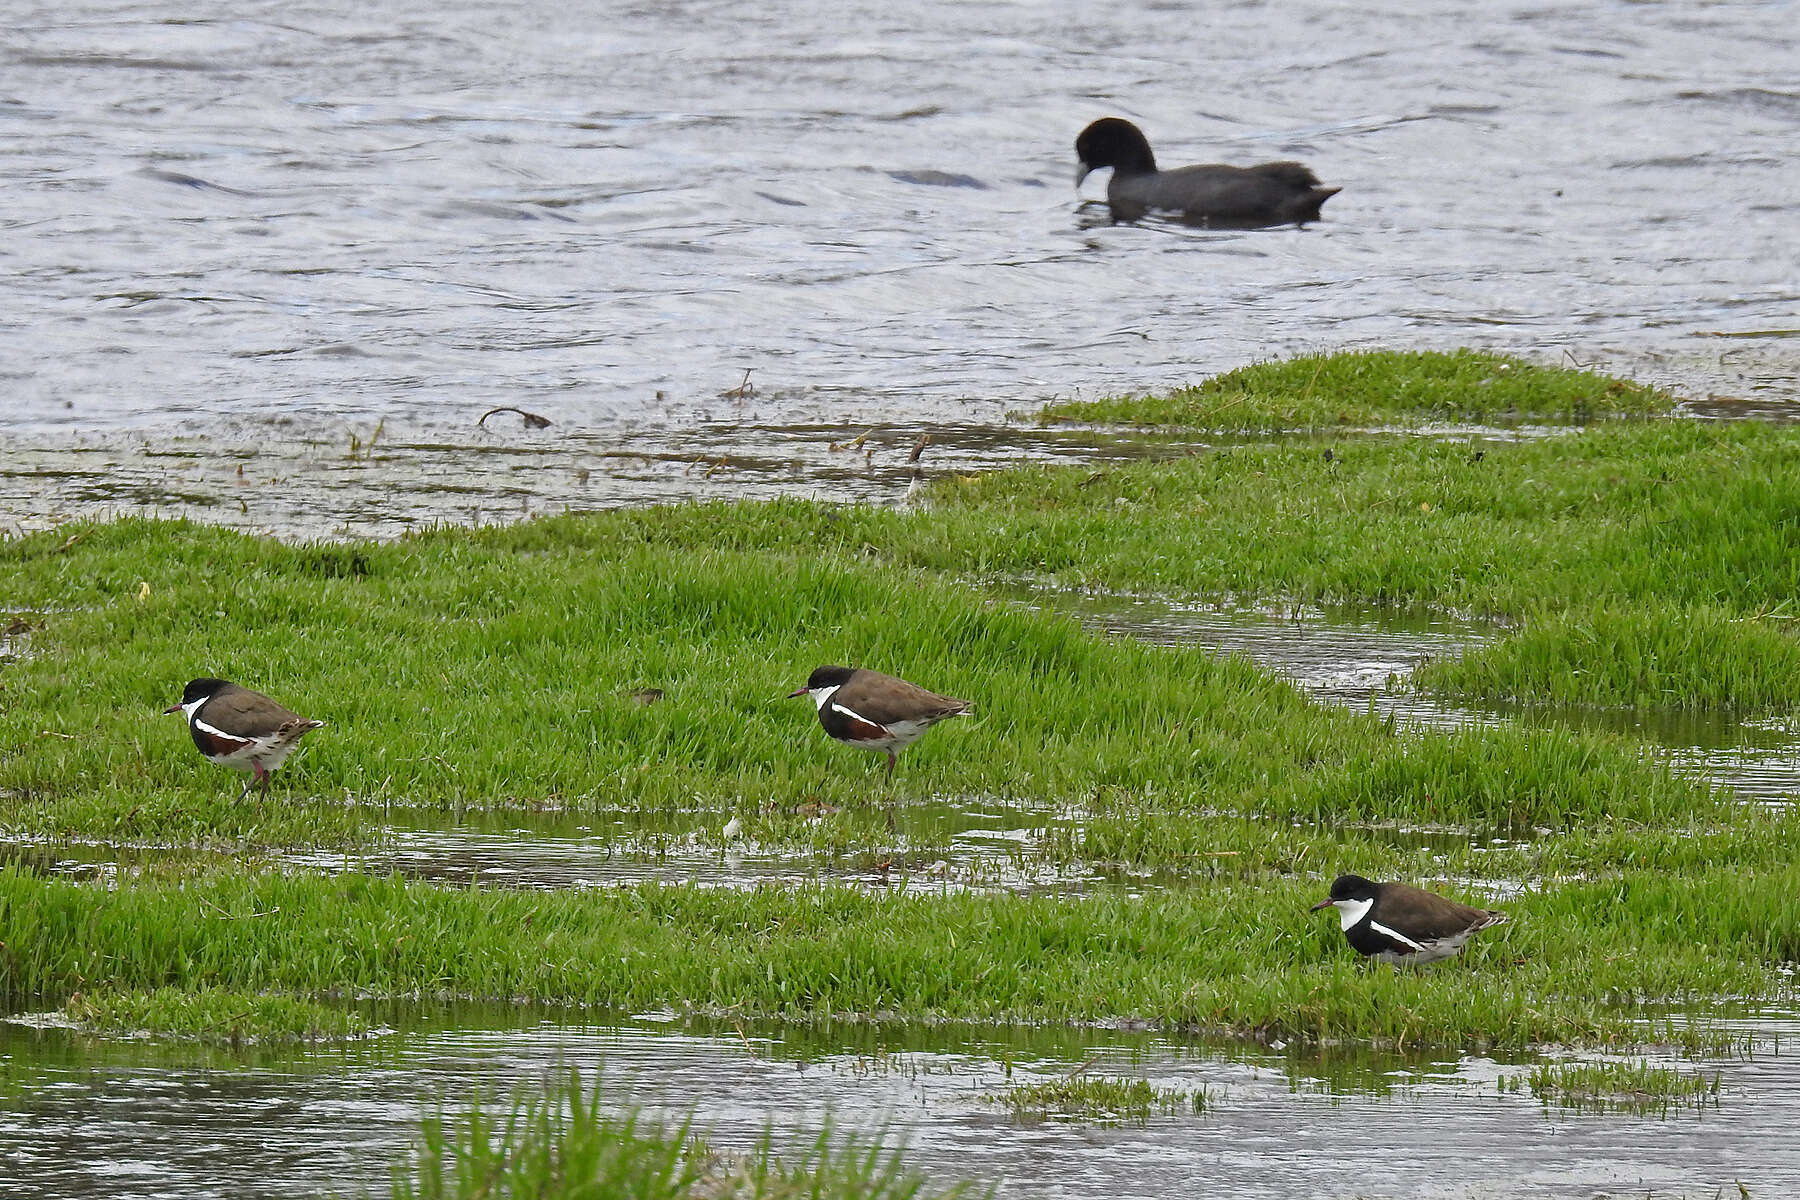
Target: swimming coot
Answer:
pixel 1212 194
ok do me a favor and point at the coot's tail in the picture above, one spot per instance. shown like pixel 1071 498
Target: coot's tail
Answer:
pixel 1305 207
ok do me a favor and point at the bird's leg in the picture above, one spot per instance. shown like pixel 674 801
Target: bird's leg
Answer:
pixel 893 825
pixel 262 777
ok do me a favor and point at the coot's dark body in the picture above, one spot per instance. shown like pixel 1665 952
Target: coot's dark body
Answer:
pixel 1211 194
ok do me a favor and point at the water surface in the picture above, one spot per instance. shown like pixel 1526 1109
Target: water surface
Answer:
pixel 294 223
pixel 128 1121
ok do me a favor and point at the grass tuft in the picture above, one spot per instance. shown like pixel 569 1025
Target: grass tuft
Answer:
pixel 566 1144
pixel 1376 387
pixel 213 1014
pixel 1108 1101
pixel 1612 1086
pixel 1631 655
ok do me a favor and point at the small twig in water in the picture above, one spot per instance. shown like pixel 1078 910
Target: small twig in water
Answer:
pixel 532 420
pixel 743 388
pixel 1092 1059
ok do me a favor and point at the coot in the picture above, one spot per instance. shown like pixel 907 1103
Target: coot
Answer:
pixel 1211 194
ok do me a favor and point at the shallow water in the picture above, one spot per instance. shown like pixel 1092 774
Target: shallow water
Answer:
pixel 314 489
pixel 81 1118
pixel 1363 656
pixel 292 224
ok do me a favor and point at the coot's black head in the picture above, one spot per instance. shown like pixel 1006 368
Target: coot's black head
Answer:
pixel 824 677
pixel 1113 142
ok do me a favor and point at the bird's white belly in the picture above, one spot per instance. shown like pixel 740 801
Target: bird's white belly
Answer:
pixel 905 733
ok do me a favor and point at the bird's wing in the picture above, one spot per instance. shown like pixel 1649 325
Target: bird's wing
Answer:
pixel 1294 175
pixel 1428 915
pixel 243 713
pixel 885 700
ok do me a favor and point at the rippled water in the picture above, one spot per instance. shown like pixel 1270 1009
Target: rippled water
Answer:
pixel 294 221
pixel 138 1121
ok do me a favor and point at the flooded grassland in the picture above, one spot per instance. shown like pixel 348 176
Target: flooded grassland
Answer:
pixel 1068 945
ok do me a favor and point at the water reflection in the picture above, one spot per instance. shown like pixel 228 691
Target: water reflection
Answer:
pixel 81 1118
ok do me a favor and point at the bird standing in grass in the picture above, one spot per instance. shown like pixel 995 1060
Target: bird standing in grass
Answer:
pixel 1397 923
pixel 241 729
pixel 875 711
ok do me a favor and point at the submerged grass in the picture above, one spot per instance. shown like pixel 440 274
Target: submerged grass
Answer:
pixel 573 1143
pixel 1098 1098
pixel 1613 1086
pixel 1229 956
pixel 213 1014
pixel 1374 387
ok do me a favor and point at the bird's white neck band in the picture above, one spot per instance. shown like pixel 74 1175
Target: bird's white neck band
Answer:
pixel 1352 911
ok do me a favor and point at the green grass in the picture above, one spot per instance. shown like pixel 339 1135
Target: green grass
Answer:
pixel 1638 564
pixel 504 675
pixel 1097 1098
pixel 1644 564
pixel 212 1014
pixel 1638 655
pixel 461 671
pixel 1612 1086
pixel 1638 529
pixel 1378 387
pixel 574 1143
pixel 1224 956
pixel 1677 512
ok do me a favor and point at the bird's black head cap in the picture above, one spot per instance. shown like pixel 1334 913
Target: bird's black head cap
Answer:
pixel 824 677
pixel 1352 887
pixel 200 689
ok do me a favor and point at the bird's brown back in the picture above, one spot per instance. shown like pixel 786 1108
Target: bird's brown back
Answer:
pixel 886 699
pixel 1426 915
pixel 240 711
